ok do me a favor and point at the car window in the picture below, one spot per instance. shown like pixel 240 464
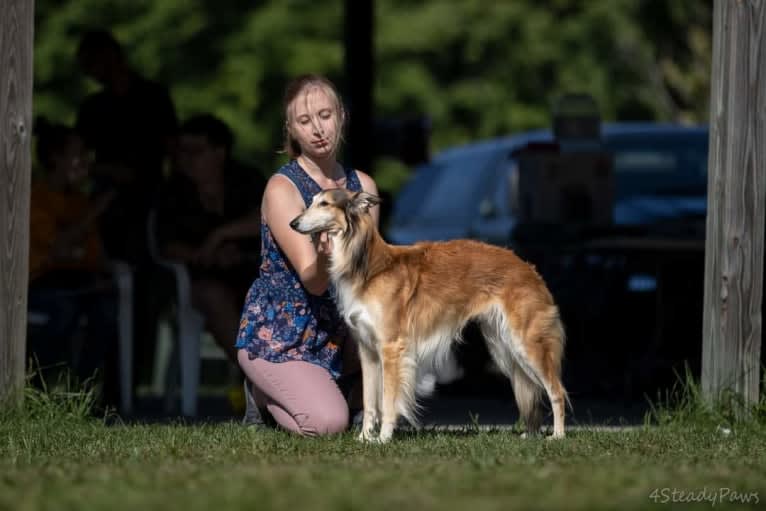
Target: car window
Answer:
pixel 503 194
pixel 409 199
pixel 445 189
pixel 455 194
pixel 666 165
pixel 645 161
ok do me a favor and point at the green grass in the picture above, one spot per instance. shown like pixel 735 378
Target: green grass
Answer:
pixel 53 456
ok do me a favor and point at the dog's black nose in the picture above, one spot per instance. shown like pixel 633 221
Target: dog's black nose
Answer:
pixel 294 224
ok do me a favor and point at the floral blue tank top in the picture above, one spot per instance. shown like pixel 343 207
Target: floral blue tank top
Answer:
pixel 281 321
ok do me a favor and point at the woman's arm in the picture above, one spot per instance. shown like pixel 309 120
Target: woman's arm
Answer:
pixel 248 226
pixel 79 230
pixel 180 251
pixel 282 202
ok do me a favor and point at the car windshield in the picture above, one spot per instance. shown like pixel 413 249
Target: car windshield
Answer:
pixel 447 189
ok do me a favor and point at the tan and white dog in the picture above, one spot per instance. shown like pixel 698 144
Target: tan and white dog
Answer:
pixel 406 305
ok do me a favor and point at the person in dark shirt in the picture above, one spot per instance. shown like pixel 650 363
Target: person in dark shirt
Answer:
pixel 209 219
pixel 128 125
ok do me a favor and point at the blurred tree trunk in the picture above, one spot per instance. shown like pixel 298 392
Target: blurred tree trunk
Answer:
pixel 16 48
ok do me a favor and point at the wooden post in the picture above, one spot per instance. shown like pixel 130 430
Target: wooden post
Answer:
pixel 16 46
pixel 736 198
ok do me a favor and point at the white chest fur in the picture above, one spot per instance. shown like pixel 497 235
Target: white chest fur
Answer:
pixel 361 316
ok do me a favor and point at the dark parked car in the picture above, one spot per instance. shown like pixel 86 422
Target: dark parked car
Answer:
pixel 660 173
pixel 630 295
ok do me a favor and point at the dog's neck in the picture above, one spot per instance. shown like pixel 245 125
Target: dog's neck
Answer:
pixel 358 253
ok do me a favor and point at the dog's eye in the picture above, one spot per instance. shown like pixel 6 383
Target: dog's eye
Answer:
pixel 323 203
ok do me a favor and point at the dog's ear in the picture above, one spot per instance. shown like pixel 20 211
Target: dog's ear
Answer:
pixel 361 202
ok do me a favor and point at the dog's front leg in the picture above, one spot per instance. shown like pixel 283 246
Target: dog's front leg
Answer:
pixel 371 390
pixel 393 355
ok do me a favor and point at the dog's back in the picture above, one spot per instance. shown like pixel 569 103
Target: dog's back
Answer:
pixel 460 279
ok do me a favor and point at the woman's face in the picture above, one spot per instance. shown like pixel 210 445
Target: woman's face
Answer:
pixel 199 159
pixel 314 122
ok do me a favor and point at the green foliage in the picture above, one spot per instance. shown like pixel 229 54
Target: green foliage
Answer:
pixel 485 69
pixel 478 69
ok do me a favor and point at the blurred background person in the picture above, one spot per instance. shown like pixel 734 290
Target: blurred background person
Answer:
pixel 209 219
pixel 129 125
pixel 69 280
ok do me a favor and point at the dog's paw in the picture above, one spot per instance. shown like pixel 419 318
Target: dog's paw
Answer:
pixel 367 437
pixel 386 433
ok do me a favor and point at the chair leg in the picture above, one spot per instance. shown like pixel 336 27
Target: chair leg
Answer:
pixel 171 377
pixel 190 332
pixel 124 278
pixel 162 353
pixel 189 324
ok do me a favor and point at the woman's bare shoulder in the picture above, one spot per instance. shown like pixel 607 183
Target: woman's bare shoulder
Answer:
pixel 280 186
pixel 367 182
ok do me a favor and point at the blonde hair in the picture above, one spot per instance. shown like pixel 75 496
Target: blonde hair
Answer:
pixel 292 91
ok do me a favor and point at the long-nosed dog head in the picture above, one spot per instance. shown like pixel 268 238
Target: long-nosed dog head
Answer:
pixel 334 211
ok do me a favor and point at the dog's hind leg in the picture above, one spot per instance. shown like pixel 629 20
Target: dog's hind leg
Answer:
pixel 546 369
pixel 532 361
pixel 527 394
pixel 539 354
pixel 526 391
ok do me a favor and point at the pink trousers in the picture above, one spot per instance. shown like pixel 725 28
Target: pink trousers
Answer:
pixel 302 397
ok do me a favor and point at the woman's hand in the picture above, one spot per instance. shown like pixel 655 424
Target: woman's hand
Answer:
pixel 206 254
pixel 322 243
